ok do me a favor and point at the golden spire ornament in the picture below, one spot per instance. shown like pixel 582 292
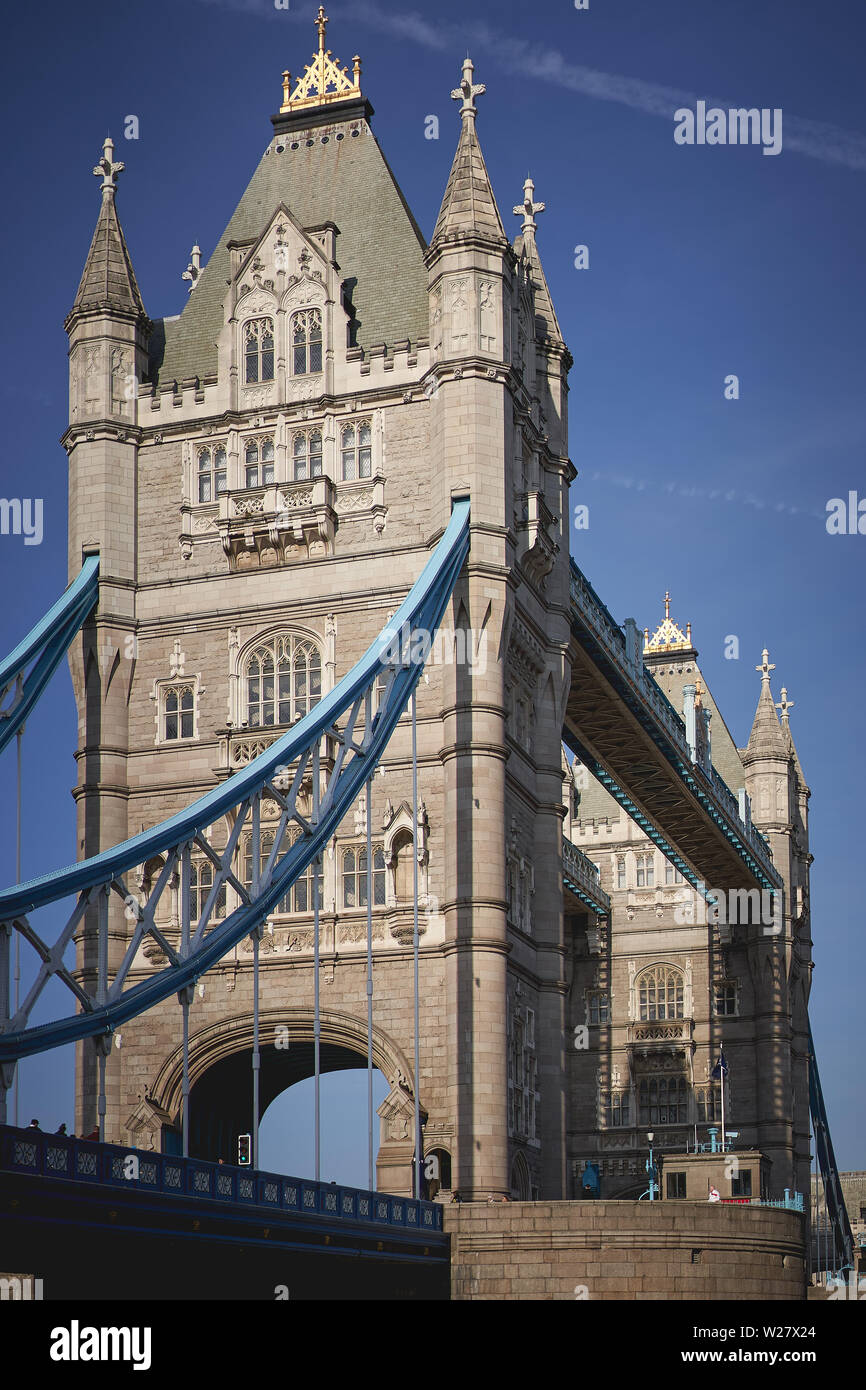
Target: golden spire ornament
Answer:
pixel 324 81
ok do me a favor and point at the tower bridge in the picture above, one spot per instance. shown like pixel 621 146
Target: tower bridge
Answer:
pixel 285 831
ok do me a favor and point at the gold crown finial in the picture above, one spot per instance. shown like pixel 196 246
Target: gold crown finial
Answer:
pixel 324 81
pixel 668 636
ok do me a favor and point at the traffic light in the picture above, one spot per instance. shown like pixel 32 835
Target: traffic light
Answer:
pixel 244 1149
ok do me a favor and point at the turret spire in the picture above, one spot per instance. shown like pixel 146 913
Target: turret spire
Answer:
pixel 469 207
pixel 527 209
pixel 766 739
pixel 108 169
pixel 108 281
pixel 467 92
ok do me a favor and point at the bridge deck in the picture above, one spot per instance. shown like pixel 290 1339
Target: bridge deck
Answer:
pixel 622 726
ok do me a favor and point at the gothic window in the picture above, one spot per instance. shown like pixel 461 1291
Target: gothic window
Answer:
pixel 307 342
pixel 620 872
pixel 307 455
pixel 211 472
pixel 645 871
pixel 258 351
pixel 660 993
pixel 259 462
pixel 354 867
pixel 709 1104
pixel 178 713
pixel 663 1100
pixel 672 875
pixel 299 898
pixel 617 1109
pixel 725 999
pixel 597 1007
pixel 283 679
pixel 522 1075
pixel 356 451
pixel 201 873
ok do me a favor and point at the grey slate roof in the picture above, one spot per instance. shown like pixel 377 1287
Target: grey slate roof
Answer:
pixel 380 249
pixel 469 206
pixel 766 739
pixel 108 280
pixel 546 322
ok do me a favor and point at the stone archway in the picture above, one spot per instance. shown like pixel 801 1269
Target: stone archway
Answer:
pixel 221 1087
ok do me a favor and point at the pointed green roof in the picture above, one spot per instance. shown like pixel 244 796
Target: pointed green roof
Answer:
pixel 380 249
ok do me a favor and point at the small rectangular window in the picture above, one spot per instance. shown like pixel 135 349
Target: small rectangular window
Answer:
pixel 675 1188
pixel 620 873
pixel 741 1184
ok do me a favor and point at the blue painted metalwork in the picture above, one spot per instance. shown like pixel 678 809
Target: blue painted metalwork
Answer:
pixel 45 646
pixel 603 639
pixel 582 878
pixel 647 826
pixel 843 1237
pixel 60 1156
pixel 345 764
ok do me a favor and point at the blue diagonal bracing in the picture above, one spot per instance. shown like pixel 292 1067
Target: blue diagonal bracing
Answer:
pixel 838 1212
pixel 398 653
pixel 45 646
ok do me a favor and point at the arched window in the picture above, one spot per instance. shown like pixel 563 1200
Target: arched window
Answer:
pixel 200 884
pixel 258 351
pixel 307 455
pixel 660 993
pixel 283 680
pixel 211 472
pixel 258 462
pixel 663 1100
pixel 355 877
pixel 356 450
pixel 307 342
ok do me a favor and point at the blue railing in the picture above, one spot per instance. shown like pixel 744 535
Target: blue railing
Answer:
pixel 78 1160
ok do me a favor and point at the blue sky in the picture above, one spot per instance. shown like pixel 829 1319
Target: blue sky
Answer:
pixel 704 261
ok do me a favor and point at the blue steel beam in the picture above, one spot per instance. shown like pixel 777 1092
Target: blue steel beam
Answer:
pixel 45 645
pixel 411 631
pixel 840 1224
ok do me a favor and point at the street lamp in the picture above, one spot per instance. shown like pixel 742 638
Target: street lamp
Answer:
pixel 650 1165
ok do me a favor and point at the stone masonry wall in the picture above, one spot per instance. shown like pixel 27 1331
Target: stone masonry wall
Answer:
pixel 625 1250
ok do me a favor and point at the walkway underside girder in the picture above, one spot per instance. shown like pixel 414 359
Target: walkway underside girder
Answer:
pixel 606 735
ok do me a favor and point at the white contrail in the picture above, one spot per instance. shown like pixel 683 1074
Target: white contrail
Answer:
pixel 715 494
pixel 816 139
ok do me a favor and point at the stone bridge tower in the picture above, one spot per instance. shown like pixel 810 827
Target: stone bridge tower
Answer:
pixel 264 476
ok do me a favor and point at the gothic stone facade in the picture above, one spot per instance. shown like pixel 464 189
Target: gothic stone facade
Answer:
pixel 264 477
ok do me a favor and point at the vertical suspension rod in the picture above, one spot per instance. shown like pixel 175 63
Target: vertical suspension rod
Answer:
pixel 418 1144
